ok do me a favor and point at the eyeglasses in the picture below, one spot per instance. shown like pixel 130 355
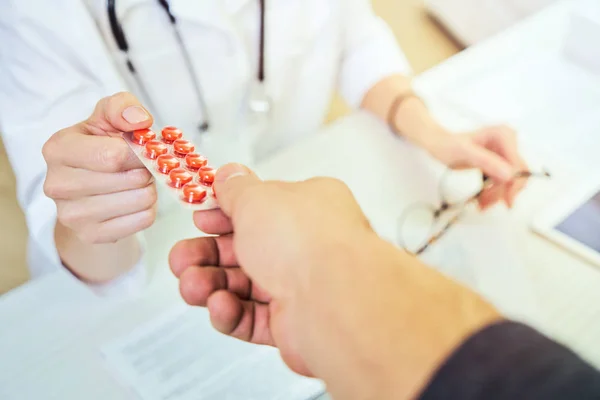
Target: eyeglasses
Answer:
pixel 421 224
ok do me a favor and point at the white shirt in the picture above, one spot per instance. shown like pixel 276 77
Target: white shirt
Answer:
pixel 58 58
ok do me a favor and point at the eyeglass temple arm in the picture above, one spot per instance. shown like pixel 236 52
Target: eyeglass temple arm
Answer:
pixel 524 174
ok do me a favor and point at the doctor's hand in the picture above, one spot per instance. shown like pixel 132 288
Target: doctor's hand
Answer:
pixel 102 191
pixel 494 151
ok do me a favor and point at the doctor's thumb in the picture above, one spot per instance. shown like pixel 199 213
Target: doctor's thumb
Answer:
pixel 490 163
pixel 232 186
pixel 121 112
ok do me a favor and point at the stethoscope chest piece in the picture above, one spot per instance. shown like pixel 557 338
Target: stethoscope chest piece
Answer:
pixel 259 102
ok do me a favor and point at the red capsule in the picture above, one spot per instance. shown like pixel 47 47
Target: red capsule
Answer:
pixel 180 177
pixel 182 147
pixel 171 134
pixel 167 163
pixel 206 176
pixel 154 148
pixel 195 161
pixel 194 193
pixel 143 136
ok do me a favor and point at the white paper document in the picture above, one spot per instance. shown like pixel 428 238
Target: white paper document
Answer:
pixel 179 356
pixel 552 103
pixel 518 89
pixel 583 40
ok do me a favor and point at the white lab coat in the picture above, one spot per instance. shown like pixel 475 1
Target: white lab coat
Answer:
pixel 58 58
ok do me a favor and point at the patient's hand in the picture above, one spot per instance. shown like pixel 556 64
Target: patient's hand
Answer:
pixel 285 234
pixel 298 266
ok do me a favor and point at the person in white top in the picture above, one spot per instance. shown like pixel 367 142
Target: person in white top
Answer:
pixel 247 77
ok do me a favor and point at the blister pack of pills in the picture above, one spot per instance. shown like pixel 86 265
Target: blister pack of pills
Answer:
pixel 174 163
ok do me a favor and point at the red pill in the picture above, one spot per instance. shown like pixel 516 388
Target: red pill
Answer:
pixel 167 163
pixel 206 176
pixel 180 177
pixel 143 136
pixel 154 148
pixel 194 193
pixel 171 134
pixel 183 147
pixel 195 161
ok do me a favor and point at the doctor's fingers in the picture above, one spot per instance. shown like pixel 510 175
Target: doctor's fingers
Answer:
pixel 101 212
pixel 116 229
pixel 71 147
pixel 66 183
pixel 513 191
pixel 504 140
pixel 204 251
pixel 116 114
pixel 517 185
pixel 492 195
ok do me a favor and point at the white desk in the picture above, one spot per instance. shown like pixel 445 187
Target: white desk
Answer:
pixel 472 21
pixel 567 289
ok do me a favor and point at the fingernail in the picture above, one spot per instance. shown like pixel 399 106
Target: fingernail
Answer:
pixel 508 173
pixel 135 115
pixel 230 171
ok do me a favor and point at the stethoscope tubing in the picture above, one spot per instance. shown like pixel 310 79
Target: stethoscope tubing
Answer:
pixel 123 45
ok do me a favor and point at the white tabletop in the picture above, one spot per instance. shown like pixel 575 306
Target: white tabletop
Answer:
pixel 566 287
pixel 57 328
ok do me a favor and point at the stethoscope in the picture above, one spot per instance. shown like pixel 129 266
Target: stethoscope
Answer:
pixel 259 102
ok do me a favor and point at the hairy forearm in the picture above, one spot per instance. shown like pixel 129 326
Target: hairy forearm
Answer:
pixel 373 344
pixel 411 119
pixel 95 263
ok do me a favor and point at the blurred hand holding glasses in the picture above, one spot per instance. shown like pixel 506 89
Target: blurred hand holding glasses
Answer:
pixel 423 224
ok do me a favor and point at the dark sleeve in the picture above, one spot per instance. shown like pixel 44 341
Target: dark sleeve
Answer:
pixel 509 360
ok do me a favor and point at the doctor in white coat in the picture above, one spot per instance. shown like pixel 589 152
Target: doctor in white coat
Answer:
pixel 245 77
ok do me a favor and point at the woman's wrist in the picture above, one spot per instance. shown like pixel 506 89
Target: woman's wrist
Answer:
pixel 96 263
pixel 412 121
pixel 394 101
